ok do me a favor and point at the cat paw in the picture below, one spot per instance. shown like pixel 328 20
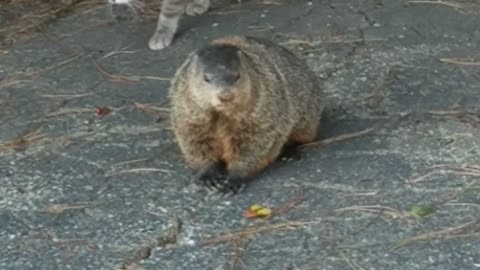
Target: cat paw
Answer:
pixel 162 38
pixel 194 8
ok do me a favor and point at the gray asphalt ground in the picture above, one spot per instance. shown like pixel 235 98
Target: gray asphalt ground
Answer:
pixel 91 177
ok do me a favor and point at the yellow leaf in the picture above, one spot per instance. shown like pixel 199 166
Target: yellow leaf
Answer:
pixel 257 210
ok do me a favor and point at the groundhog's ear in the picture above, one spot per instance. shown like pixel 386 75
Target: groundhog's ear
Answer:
pixel 194 59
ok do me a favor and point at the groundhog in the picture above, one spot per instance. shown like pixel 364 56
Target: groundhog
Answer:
pixel 236 103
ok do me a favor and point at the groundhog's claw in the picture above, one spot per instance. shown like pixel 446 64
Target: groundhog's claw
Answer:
pixel 229 185
pixel 211 175
pixel 215 178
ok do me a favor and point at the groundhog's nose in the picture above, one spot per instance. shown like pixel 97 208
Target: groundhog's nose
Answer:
pixel 225 96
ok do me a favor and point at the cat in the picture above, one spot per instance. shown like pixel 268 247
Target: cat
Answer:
pixel 170 14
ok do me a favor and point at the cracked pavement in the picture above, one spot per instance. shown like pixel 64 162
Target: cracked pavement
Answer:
pixel 91 177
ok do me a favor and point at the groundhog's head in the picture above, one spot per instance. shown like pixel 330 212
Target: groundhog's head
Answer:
pixel 219 77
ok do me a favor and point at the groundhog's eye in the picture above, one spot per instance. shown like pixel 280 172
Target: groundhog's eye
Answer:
pixel 206 78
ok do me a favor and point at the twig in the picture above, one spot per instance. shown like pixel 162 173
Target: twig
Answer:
pixel 353 264
pixel 459 61
pixel 68 96
pixel 378 94
pixel 445 3
pixel 373 209
pixel 118 51
pixel 58 209
pixel 239 249
pixel 149 108
pixel 140 170
pixel 340 138
pixel 255 230
pixel 22 142
pixel 297 199
pixel 125 79
pixel 24 76
pixel 261 28
pixel 446 169
pixel 70 111
pixel 128 162
pixel 298 42
pixel 447 233
pixel 359 194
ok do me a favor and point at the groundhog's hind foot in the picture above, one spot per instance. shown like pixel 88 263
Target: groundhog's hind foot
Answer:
pixel 290 152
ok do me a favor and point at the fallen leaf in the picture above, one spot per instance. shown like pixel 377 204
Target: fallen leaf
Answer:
pixel 421 211
pixel 257 211
pixel 102 111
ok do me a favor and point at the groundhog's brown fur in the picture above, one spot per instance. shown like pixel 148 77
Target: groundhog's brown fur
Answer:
pixel 236 103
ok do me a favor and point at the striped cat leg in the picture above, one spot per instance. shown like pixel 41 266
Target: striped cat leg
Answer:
pixel 167 25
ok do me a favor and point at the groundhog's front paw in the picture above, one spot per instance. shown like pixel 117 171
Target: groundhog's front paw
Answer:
pixel 161 38
pixel 211 171
pixel 231 184
pixel 197 8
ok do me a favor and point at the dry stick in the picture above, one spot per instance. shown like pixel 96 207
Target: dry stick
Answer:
pixel 445 3
pixel 140 170
pixel 125 79
pixel 463 167
pixel 445 170
pixel 118 51
pixel 240 247
pixel 447 233
pixel 372 209
pixel 353 264
pixel 255 230
pixel 331 41
pixel 29 75
pixel 241 242
pixel 378 94
pixel 457 61
pixel 149 108
pixel 28 22
pixel 22 142
pixel 261 28
pixel 60 208
pixel 68 96
pixel 128 162
pixel 70 111
pixel 298 42
pixel 340 138
pixel 297 199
